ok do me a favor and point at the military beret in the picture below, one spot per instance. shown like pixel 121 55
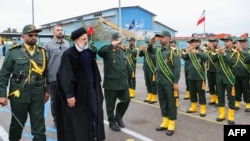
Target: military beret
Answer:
pixel 163 34
pixel 30 28
pixel 77 33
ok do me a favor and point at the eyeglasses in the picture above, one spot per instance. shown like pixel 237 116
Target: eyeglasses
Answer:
pixel 32 35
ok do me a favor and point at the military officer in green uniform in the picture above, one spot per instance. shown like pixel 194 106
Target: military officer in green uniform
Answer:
pixel 242 75
pixel 168 68
pixel 25 68
pixel 132 53
pixel 225 79
pixel 149 72
pixel 115 82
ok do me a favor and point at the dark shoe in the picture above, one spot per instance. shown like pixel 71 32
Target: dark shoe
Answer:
pixel 152 102
pixel 114 127
pixel 220 119
pixel 236 108
pixel 145 100
pixel 247 110
pixel 202 115
pixel 211 103
pixel 170 132
pixel 160 128
pixel 186 98
pixel 230 122
pixel 190 111
pixel 120 123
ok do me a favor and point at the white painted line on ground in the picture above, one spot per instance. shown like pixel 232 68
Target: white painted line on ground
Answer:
pixel 132 133
pixel 3 134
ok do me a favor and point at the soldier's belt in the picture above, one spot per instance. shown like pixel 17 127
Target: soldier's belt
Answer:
pixel 36 78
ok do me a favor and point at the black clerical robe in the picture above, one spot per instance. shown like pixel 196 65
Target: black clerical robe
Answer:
pixel 80 123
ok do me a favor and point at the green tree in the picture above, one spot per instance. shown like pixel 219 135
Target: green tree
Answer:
pixel 9 30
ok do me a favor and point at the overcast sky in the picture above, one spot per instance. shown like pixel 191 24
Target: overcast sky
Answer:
pixel 222 16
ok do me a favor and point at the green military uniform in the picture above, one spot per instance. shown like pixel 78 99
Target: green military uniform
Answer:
pixel 168 68
pixel 132 53
pixel 25 69
pixel 115 82
pixel 242 76
pixel 211 75
pixel 149 63
pixel 225 80
pixel 30 84
pixel 196 79
pixel 247 60
pixel 93 49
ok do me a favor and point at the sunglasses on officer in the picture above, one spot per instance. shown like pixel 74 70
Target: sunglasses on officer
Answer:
pixel 32 35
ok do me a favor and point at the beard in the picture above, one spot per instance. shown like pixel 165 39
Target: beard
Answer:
pixel 82 46
pixel 60 36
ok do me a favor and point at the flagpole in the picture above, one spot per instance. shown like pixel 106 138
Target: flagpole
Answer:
pixel 204 27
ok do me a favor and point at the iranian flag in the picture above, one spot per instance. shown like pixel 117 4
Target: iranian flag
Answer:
pixel 202 18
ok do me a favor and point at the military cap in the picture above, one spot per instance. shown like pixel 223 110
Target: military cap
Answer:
pixel 116 36
pixel 194 39
pixel 243 39
pixel 172 41
pixel 77 33
pixel 213 40
pixel 163 34
pixel 132 39
pixel 228 37
pixel 30 28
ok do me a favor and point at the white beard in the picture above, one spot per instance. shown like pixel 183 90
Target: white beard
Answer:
pixel 80 48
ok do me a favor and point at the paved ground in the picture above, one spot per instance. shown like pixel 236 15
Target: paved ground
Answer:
pixel 142 118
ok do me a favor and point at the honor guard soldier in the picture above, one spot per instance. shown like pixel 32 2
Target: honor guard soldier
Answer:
pixel 26 68
pixel 149 72
pixel 168 68
pixel 196 77
pixel 173 44
pixel 242 75
pixel 209 49
pixel 186 64
pixel 225 79
pixel 132 53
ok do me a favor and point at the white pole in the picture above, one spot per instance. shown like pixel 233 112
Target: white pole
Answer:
pixel 120 17
pixel 33 12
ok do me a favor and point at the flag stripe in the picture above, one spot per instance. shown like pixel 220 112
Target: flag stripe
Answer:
pixel 202 18
pixel 90 30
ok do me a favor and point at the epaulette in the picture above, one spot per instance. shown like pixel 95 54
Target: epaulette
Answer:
pixel 15 46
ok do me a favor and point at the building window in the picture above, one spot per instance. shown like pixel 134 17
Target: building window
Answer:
pixel 98 14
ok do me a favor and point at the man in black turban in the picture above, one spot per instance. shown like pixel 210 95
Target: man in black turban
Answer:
pixel 79 106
